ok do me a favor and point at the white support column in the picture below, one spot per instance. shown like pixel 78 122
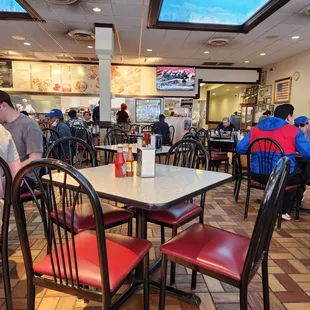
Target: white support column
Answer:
pixel 104 49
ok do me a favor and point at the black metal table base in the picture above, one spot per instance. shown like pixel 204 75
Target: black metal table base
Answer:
pixel 171 291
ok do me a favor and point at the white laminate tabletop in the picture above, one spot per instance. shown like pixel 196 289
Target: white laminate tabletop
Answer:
pixel 170 186
pixel 113 148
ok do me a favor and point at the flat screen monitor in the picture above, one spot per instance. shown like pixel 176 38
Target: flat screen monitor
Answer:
pixel 175 78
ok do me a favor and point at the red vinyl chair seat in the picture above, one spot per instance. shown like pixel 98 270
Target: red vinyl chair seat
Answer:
pixel 175 215
pixel 219 157
pixel 112 216
pixel 210 248
pixel 262 186
pixel 28 195
pixel 123 254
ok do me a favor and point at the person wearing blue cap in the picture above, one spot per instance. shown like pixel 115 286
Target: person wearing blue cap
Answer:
pixel 302 124
pixel 56 118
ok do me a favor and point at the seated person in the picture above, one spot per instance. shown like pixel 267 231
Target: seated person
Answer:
pixel 56 120
pixel 74 120
pixel 290 139
pixel 87 119
pixel 302 123
pixel 266 114
pixel 162 128
pixel 9 153
pixel 225 125
pixel 26 134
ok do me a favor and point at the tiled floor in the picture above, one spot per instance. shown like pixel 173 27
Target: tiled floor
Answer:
pixel 289 263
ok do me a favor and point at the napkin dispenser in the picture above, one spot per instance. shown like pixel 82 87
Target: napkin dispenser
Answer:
pixel 146 162
pixel 157 141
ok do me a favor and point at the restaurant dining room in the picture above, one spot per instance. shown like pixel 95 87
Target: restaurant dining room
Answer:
pixel 154 154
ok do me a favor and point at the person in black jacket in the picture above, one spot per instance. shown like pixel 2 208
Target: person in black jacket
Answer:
pixel 225 125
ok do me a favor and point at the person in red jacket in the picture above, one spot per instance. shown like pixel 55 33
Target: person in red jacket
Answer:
pixel 292 141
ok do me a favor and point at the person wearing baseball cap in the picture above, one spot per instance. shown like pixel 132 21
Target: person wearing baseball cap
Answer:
pixel 302 124
pixel 56 118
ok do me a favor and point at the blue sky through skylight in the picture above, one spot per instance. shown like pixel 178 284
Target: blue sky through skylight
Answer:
pixel 227 12
pixel 11 6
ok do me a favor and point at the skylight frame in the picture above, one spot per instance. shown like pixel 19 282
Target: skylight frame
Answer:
pixel 30 15
pixel 268 9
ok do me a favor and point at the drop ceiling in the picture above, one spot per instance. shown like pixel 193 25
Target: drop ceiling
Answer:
pixel 49 41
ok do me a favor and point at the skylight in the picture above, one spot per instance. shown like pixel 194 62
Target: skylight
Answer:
pixel 11 6
pixel 222 12
pixel 239 16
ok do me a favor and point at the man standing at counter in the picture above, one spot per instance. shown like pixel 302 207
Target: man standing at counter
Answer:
pixel 25 132
pixel 162 128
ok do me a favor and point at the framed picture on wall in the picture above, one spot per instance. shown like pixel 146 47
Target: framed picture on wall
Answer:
pixel 263 79
pixel 268 100
pixel 282 90
pixel 268 91
pixel 261 93
pixel 248 92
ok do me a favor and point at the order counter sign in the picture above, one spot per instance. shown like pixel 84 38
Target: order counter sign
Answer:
pixel 6 78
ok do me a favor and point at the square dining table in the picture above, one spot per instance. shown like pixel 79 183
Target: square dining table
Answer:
pixel 170 186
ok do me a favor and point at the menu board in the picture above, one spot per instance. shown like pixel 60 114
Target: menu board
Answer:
pixel 125 80
pixel 6 80
pixel 53 77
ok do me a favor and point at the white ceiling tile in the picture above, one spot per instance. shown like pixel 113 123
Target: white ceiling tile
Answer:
pixel 130 21
pixel 127 10
pixel 130 2
pixel 294 6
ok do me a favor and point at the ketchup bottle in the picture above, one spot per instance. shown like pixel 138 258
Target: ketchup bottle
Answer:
pixel 120 165
pixel 129 163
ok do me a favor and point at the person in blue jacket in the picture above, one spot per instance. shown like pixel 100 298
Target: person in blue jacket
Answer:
pixel 292 141
pixel 302 123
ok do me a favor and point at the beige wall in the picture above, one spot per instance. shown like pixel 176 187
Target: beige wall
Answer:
pixel 221 106
pixel 300 96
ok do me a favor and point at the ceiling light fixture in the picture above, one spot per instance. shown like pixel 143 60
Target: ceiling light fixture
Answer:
pixel 214 94
pixel 295 37
pixel 19 38
pixel 206 52
pixel 90 46
pixel 237 87
pixel 202 84
pixel 228 89
pixel 149 50
pixel 246 61
pixel 97 10
pixel 27 43
pixel 262 54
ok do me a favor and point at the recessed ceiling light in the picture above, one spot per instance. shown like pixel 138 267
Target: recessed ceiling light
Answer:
pixel 90 46
pixel 295 37
pixel 19 38
pixel 237 87
pixel 228 89
pixel 262 54
pixel 246 61
pixel 149 50
pixel 206 52
pixel 97 10
pixel 202 84
pixel 214 94
pixel 27 43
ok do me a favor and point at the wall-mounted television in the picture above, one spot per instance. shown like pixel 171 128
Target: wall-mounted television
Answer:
pixel 175 78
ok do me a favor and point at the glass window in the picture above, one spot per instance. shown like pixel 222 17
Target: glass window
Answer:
pixel 11 6
pixel 224 12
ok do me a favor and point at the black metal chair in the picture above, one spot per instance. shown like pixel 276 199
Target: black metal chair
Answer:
pixel 49 136
pixel 6 173
pixel 192 130
pixel 266 153
pixel 114 137
pixel 82 156
pixel 228 257
pixel 189 135
pixel 185 153
pixel 126 127
pixel 86 264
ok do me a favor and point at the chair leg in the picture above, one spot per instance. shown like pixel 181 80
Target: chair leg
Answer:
pixel 279 219
pixel 130 227
pixel 238 189
pixel 244 297
pixel 163 282
pixel 146 283
pixel 194 280
pixel 162 234
pixel 172 272
pixel 298 203
pixel 31 294
pixel 265 283
pixel 246 210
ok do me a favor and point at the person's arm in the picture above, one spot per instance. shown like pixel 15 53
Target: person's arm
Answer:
pixel 33 139
pixel 302 146
pixel 219 126
pixel 13 157
pixel 243 145
pixel 14 166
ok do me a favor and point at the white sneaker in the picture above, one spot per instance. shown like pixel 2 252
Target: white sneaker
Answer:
pixel 286 217
pixel 303 195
